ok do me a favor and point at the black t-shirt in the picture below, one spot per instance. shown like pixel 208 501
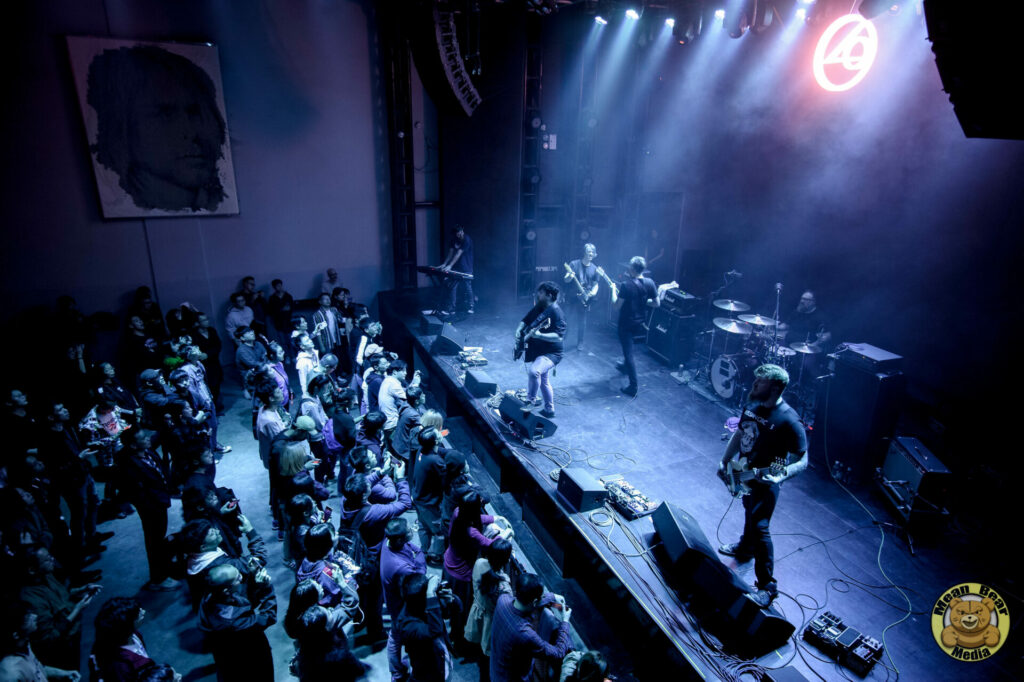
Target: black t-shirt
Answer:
pixel 536 347
pixel 768 433
pixel 634 294
pixel 804 327
pixel 586 274
pixel 465 261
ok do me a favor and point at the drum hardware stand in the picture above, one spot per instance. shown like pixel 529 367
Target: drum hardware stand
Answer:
pixel 727 282
pixel 778 303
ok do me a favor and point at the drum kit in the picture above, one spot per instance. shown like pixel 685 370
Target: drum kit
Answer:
pixel 731 372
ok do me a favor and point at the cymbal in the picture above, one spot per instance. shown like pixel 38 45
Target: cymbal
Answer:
pixel 732 326
pixel 758 320
pixel 805 348
pixel 729 304
pixel 784 352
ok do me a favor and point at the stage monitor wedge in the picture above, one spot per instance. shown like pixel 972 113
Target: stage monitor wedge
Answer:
pixel 447 342
pixel 715 594
pixel 530 422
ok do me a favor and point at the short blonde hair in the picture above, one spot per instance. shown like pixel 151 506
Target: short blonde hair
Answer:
pixel 432 418
pixel 293 459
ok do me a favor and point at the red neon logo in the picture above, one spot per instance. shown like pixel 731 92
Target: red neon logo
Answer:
pixel 845 53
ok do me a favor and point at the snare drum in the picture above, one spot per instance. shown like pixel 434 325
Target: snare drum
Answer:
pixel 731 374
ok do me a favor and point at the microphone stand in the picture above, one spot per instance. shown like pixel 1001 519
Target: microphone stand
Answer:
pixel 775 316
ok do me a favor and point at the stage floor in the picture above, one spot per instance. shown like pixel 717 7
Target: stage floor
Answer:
pixel 829 553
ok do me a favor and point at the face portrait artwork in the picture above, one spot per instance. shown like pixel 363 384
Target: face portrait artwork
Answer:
pixel 156 126
pixel 748 436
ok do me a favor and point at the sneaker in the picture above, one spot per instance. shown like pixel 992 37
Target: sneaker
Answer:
pixel 764 596
pixel 550 414
pixel 167 585
pixel 733 550
pixel 620 367
pixel 470 311
pixel 222 449
pixel 630 391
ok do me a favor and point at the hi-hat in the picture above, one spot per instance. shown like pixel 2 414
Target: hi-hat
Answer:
pixel 758 320
pixel 731 305
pixel 805 348
pixel 732 326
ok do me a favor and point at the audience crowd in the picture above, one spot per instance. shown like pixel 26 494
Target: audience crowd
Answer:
pixel 412 562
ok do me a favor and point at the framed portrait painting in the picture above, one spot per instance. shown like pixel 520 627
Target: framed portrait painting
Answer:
pixel 157 127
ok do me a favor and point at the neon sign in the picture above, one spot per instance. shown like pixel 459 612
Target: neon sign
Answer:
pixel 845 53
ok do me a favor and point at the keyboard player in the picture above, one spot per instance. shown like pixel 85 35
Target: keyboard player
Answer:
pixel 460 259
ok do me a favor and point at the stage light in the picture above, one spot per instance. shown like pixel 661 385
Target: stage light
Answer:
pixel 671 23
pixel 632 14
pixel 801 13
pixel 600 20
pixel 720 14
pixel 806 2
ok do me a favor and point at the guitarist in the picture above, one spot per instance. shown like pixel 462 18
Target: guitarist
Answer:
pixel 582 275
pixel 633 294
pixel 769 431
pixel 542 330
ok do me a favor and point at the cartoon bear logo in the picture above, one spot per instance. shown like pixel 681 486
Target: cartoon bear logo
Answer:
pixel 970 624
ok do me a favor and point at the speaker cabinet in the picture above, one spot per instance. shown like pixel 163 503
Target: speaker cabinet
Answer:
pixel 859 417
pixel 915 481
pixel 716 595
pixel 581 490
pixel 670 337
pixel 532 424
pixel 447 341
pixel 430 325
pixel 480 384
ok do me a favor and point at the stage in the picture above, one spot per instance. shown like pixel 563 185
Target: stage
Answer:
pixel 830 554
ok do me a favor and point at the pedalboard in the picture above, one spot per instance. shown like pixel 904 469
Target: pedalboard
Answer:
pixel 629 501
pixel 845 645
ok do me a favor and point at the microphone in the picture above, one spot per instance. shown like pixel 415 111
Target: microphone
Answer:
pixel 778 286
pixel 733 273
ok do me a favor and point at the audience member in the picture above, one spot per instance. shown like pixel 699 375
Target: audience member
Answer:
pixel 146 487
pixel 421 630
pixel 239 315
pixel 490 581
pixel 515 642
pixel 369 520
pixel 234 615
pixel 18 663
pixel 428 494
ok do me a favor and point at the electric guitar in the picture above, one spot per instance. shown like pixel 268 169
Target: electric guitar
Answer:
pixel 611 285
pixel 582 293
pixel 535 326
pixel 737 473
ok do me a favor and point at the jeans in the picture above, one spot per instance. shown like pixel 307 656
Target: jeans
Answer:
pixel 758 507
pixel 626 340
pixel 579 316
pixel 453 286
pixel 538 373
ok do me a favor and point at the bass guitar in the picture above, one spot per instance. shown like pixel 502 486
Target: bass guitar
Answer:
pixel 582 293
pixel 738 473
pixel 528 333
pixel 611 285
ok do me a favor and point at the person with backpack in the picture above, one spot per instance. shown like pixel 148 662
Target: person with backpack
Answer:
pixel 363 523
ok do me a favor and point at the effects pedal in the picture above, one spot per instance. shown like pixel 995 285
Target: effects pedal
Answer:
pixel 630 502
pixel 843 644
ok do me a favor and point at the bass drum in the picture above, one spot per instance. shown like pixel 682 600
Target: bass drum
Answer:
pixel 732 374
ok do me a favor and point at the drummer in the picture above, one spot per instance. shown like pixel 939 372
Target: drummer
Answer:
pixel 808 324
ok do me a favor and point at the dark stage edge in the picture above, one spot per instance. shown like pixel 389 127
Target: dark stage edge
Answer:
pixel 667 442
